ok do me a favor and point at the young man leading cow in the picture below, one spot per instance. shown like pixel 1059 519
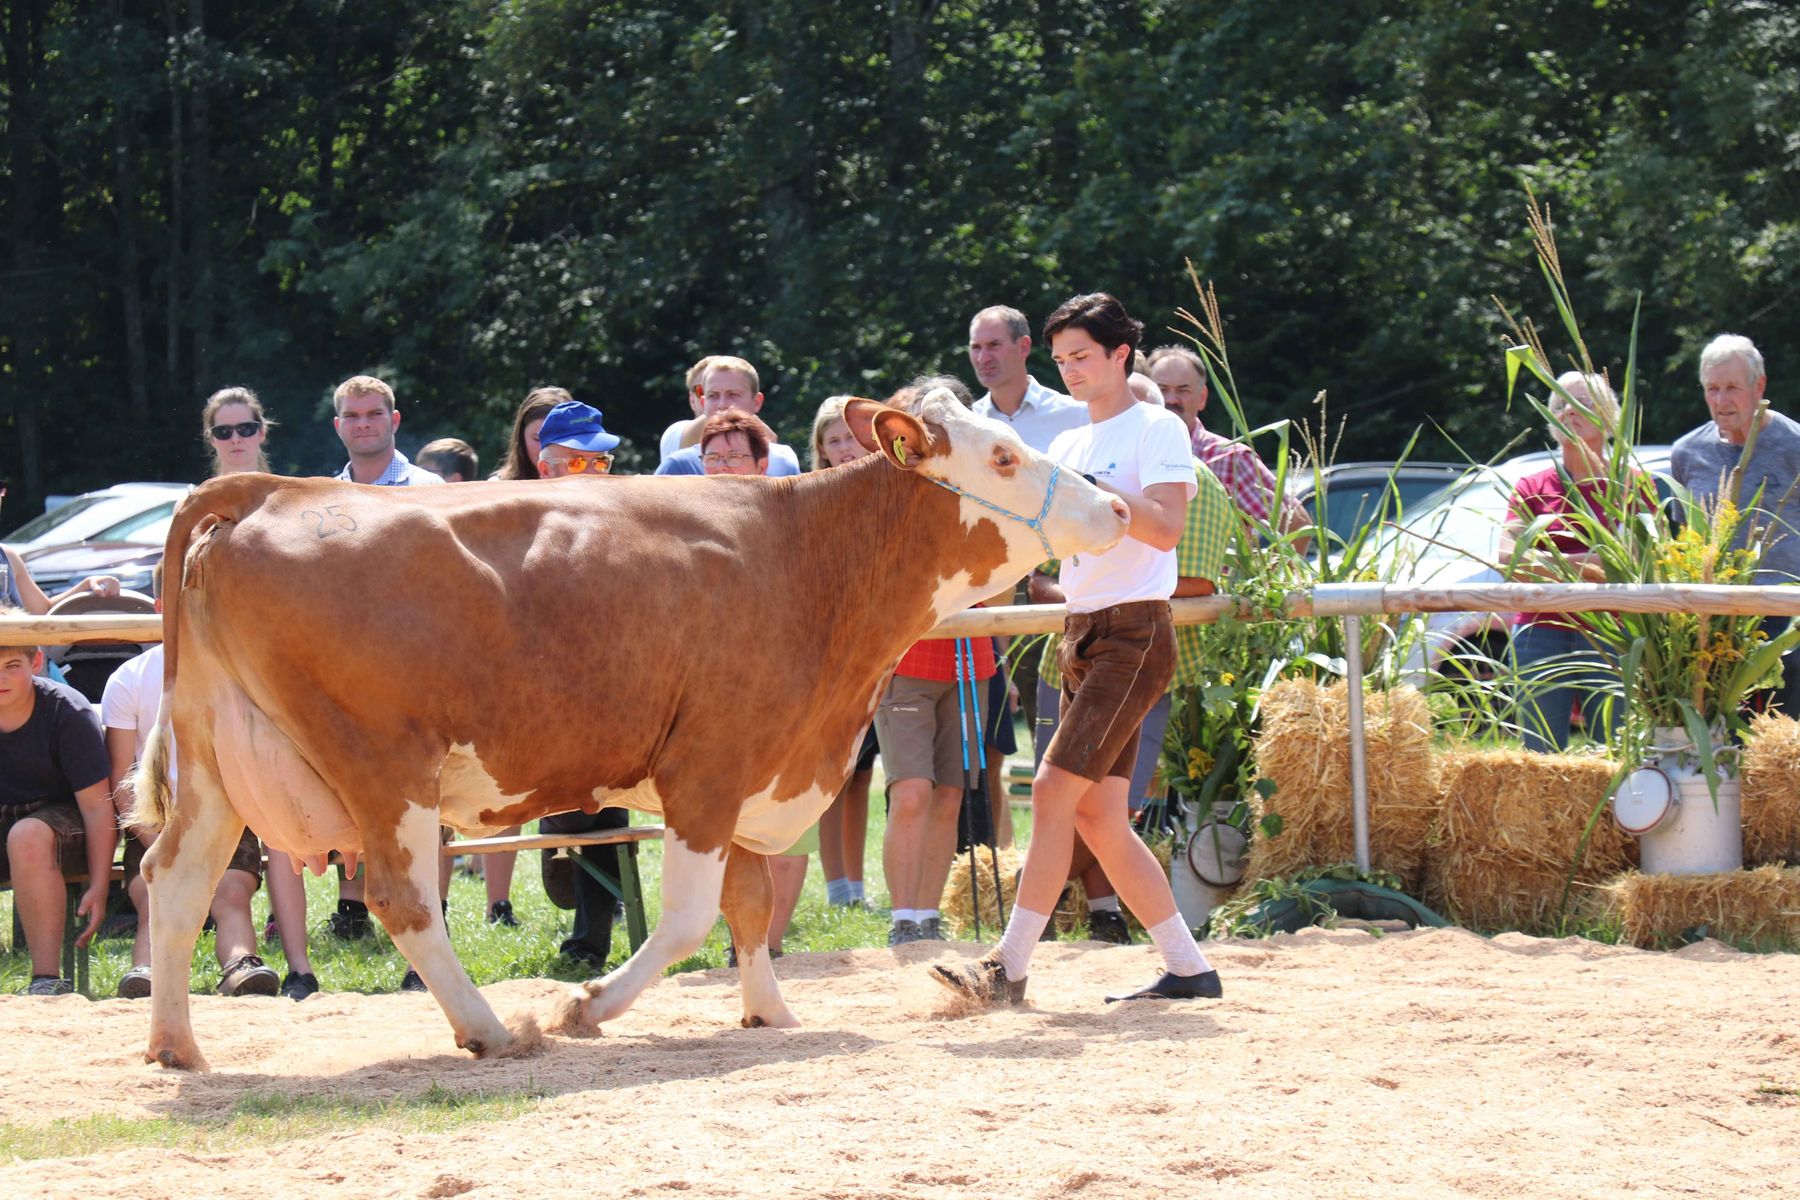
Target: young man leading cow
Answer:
pixel 1117 658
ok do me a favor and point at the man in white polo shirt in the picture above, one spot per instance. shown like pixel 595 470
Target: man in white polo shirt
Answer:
pixel 1117 657
pixel 999 344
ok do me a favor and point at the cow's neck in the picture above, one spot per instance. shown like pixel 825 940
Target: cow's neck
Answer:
pixel 898 544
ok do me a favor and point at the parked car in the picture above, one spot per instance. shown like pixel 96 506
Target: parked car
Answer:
pixel 1453 535
pixel 1355 492
pixel 56 568
pixel 97 515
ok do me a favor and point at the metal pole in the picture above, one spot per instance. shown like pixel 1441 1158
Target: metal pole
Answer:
pixel 1359 768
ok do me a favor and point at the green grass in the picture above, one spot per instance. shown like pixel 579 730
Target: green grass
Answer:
pixel 263 1118
pixel 491 953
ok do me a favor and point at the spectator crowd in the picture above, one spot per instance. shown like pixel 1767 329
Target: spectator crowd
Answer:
pixel 949 709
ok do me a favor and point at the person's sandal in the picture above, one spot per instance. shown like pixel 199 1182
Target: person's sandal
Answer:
pixel 135 984
pixel 983 982
pixel 248 975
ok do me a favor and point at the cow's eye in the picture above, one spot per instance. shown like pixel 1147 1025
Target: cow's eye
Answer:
pixel 1003 458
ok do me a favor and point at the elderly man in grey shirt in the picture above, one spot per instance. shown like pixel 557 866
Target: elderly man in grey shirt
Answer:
pixel 1731 373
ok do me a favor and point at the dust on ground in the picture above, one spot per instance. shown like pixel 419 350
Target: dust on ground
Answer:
pixel 1424 1064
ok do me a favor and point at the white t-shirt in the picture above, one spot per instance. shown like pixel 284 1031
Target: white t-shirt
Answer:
pixel 1140 447
pixel 134 694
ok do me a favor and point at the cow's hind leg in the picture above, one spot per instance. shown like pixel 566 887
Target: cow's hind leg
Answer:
pixel 402 892
pixel 182 868
pixel 690 892
pixel 748 900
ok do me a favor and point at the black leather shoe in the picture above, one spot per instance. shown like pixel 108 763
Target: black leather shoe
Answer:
pixel 410 982
pixel 1204 986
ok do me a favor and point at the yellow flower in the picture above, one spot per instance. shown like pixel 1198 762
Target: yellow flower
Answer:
pixel 1199 763
pixel 1227 678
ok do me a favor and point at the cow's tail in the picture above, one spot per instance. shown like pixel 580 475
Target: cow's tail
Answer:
pixel 227 498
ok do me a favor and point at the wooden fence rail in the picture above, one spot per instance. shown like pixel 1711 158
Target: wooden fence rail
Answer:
pixel 1326 600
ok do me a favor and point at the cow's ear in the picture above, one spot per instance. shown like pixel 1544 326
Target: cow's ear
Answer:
pixel 903 439
pixel 859 415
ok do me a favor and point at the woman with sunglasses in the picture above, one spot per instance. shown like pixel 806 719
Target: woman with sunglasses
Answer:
pixel 235 429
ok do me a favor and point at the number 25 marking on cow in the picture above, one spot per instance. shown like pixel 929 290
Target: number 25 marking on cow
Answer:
pixel 341 522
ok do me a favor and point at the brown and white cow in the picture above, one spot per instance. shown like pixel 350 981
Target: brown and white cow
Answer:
pixel 350 666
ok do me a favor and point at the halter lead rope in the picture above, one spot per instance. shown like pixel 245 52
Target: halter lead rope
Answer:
pixel 1035 524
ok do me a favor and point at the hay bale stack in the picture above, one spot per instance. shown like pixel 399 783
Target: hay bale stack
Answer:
pixel 1507 833
pixel 957 905
pixel 1759 907
pixel 1304 749
pixel 1772 791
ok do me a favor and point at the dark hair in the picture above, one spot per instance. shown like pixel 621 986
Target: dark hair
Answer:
pixel 1100 316
pixel 535 407
pixel 450 454
pixel 218 400
pixel 736 420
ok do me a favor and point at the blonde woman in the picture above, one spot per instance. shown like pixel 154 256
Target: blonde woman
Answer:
pixel 844 827
pixel 236 430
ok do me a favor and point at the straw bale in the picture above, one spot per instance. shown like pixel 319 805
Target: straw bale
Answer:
pixel 957 906
pixel 1758 907
pixel 1303 747
pixel 1507 832
pixel 1772 791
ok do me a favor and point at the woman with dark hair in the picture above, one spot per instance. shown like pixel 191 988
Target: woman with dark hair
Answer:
pixel 234 426
pixel 523 449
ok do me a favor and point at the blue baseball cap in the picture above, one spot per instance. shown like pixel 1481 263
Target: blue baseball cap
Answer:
pixel 576 425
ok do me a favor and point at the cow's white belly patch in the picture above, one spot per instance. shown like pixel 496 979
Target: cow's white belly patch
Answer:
pixel 466 790
pixel 768 826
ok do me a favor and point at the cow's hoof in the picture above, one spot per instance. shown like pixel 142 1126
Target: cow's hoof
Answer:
pixel 176 1058
pixel 780 1019
pixel 574 1015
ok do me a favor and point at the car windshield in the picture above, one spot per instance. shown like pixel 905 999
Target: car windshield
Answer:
pixel 38 526
pixel 1352 503
pixel 151 527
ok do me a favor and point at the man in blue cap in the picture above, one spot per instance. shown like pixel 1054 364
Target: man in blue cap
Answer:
pixel 574 441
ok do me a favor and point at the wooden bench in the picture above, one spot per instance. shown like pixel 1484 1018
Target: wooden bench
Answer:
pixel 74 958
pixel 626 888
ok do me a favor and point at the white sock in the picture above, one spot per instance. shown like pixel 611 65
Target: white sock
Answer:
pixel 1181 953
pixel 1022 932
pixel 837 891
pixel 854 889
pixel 906 914
pixel 1108 903
pixel 925 914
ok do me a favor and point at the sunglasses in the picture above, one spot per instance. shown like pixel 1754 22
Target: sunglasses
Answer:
pixel 243 429
pixel 580 464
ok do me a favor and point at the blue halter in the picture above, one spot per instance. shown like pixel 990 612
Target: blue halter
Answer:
pixel 1035 524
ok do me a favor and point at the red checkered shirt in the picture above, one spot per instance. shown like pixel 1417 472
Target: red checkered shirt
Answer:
pixel 935 659
pixel 1247 480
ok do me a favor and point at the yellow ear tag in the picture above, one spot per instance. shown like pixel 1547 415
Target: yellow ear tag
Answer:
pixel 900 450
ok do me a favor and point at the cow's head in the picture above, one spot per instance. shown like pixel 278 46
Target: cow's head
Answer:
pixel 1041 511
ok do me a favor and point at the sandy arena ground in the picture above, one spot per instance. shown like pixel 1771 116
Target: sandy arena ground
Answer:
pixel 1424 1064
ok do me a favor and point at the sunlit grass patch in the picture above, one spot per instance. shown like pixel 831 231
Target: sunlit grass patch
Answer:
pixel 263 1118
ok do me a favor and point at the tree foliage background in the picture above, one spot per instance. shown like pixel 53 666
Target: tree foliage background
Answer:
pixel 472 197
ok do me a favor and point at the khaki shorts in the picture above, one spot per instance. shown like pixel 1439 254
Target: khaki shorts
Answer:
pixel 1115 664
pixel 247 857
pixel 64 820
pixel 916 725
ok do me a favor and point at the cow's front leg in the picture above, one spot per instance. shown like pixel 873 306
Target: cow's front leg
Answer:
pixel 182 868
pixel 690 895
pixel 748 900
pixel 402 892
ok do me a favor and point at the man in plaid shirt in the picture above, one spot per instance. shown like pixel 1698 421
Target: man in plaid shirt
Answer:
pixel 1181 375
